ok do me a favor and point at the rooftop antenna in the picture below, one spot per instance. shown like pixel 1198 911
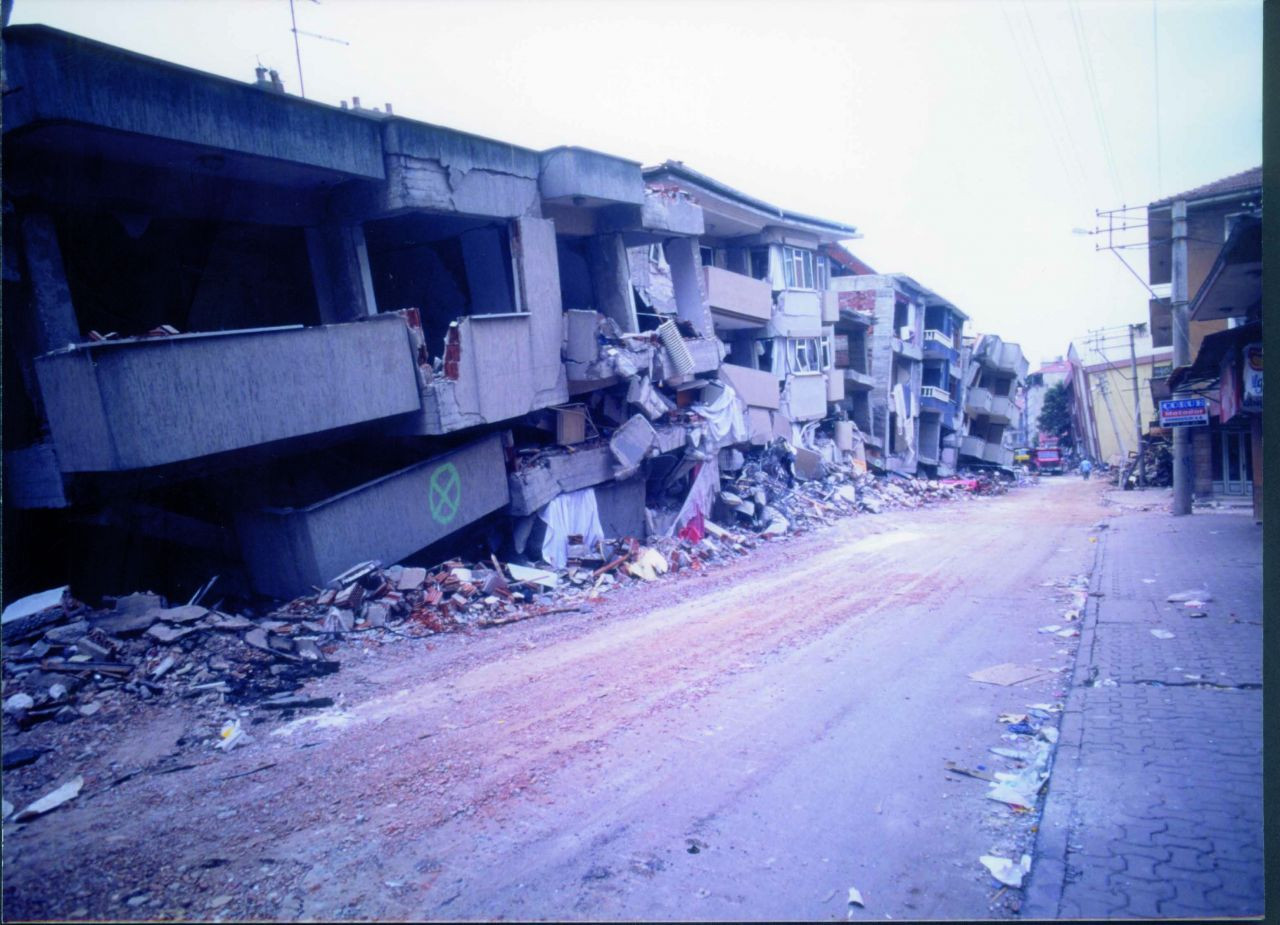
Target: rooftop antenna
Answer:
pixel 297 48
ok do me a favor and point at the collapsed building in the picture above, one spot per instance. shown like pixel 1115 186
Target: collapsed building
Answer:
pixel 263 337
pixel 995 383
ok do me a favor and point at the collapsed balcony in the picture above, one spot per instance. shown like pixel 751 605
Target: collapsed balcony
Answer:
pixel 488 313
pixel 128 404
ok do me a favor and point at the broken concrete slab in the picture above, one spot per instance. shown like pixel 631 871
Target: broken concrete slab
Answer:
pixel 167 634
pixel 631 442
pixel 653 403
pixel 28 615
pixel 67 634
pixel 129 623
pixel 227 622
pixel 188 614
pixel 139 603
pixel 93 648
pixel 808 464
pixel 411 578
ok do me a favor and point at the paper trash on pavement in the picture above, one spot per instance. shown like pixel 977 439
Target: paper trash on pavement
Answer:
pixel 1008 872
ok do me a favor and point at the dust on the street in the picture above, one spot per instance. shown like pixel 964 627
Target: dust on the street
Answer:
pixel 745 742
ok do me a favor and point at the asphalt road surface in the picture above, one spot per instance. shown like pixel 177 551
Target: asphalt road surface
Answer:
pixel 745 744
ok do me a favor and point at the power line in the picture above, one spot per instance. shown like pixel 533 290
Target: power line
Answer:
pixel 1091 81
pixel 1040 106
pixel 1053 93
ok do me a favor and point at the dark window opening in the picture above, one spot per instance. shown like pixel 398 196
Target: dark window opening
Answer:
pixel 937 318
pixel 899 317
pixel 935 374
pixel 760 262
pixel 576 291
pixel 134 273
pixel 860 410
pixel 446 266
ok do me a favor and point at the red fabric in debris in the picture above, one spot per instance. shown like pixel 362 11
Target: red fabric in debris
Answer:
pixel 694 529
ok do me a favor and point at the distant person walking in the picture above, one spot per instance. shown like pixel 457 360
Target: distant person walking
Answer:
pixel 1086 466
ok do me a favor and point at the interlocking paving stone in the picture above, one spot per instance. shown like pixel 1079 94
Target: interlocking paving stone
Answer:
pixel 1161 770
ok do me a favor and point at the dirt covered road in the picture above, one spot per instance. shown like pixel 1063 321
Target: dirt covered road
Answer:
pixel 747 743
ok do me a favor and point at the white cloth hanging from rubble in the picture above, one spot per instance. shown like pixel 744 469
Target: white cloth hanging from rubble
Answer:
pixel 725 419
pixel 571 514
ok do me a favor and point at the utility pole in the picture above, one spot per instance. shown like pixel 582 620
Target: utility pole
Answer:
pixel 1182 471
pixel 1137 406
pixel 1104 390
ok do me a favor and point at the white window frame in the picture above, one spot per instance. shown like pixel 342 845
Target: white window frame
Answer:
pixel 797 267
pixel 805 355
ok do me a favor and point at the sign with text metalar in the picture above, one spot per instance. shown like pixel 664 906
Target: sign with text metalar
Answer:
pixel 1184 412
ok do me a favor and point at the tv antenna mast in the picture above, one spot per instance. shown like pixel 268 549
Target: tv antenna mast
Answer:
pixel 297 47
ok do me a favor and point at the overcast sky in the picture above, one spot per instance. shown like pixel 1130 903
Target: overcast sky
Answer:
pixel 964 138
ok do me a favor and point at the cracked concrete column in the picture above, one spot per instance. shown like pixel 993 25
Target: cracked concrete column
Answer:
pixel 611 280
pixel 691 289
pixel 54 318
pixel 340 272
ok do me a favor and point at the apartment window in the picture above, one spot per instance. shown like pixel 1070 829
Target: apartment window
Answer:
pixel 822 272
pixel 826 353
pixel 797 268
pixel 804 355
pixel 760 262
pixel 708 256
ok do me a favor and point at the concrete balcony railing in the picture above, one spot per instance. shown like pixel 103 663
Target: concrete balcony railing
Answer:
pixel 935 392
pixel 858 380
pixel 937 337
pixel 1001 409
pixel 995 453
pixel 289 549
pixel 907 349
pixel 119 405
pixel 977 401
pixel 738 298
pixel 972 446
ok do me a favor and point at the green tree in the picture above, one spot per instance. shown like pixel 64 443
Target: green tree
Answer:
pixel 1055 415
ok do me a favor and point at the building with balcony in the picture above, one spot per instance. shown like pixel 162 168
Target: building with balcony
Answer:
pixel 1223 285
pixel 995 375
pixel 759 271
pixel 264 337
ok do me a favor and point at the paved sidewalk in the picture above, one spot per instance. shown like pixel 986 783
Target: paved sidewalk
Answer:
pixel 1155 802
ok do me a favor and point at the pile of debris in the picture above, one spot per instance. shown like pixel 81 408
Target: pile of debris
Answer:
pixel 64 659
pixel 1157 466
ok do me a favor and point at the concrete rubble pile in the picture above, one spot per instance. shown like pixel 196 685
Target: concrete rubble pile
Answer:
pixel 66 660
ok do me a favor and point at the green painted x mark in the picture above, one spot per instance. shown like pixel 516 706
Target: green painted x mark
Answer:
pixel 445 493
